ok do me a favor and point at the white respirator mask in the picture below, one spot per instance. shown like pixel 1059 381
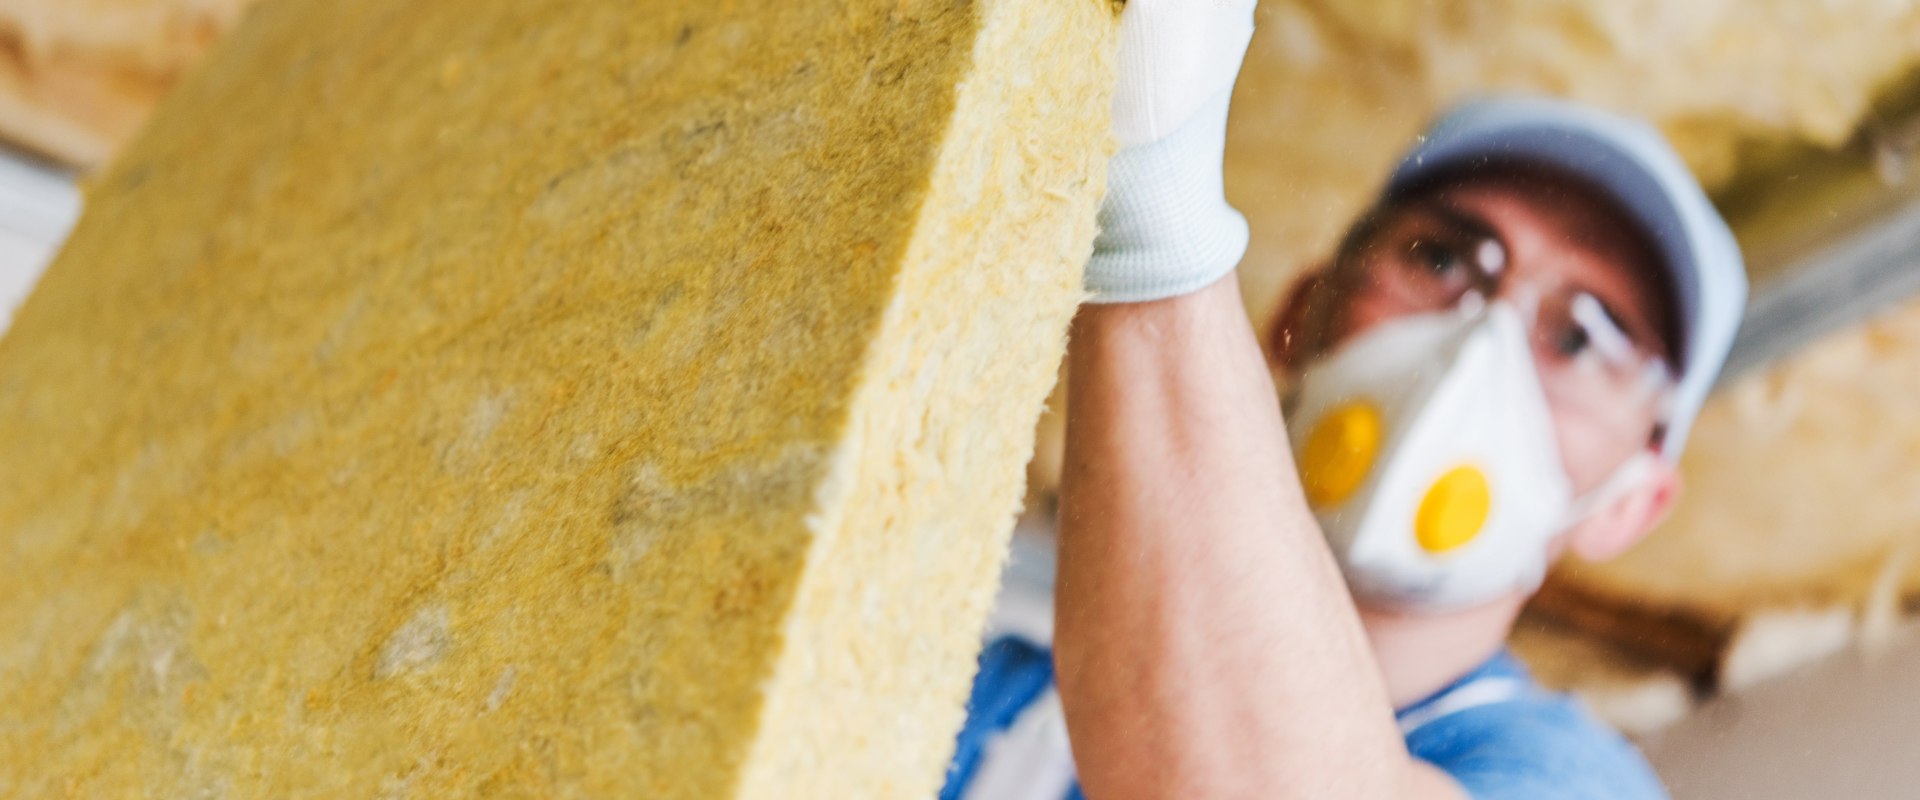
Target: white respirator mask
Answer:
pixel 1427 451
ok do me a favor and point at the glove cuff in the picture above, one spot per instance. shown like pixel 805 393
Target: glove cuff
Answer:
pixel 1165 227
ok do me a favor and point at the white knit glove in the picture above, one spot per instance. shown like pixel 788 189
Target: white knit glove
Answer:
pixel 1165 227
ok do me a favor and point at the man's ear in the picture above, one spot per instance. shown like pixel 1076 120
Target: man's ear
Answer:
pixel 1621 525
pixel 1287 332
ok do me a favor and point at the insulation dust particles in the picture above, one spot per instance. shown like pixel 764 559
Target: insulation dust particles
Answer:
pixel 511 398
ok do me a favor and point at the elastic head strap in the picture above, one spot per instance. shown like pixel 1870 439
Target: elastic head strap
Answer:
pixel 1625 478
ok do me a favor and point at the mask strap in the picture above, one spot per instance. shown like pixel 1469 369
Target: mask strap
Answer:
pixel 1630 474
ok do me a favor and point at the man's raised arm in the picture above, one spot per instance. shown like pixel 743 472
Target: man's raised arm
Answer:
pixel 1205 644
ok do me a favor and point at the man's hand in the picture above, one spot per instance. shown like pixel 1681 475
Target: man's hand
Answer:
pixel 1166 228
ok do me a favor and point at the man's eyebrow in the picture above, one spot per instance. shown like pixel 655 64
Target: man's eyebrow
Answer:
pixel 1467 221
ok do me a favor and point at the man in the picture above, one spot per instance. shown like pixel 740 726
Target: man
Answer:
pixel 1499 365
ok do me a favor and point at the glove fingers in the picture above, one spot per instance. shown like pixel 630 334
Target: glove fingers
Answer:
pixel 1174 56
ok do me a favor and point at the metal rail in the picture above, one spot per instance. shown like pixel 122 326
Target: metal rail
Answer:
pixel 1859 273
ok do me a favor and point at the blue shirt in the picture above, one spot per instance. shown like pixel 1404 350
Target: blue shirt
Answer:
pixel 1497 732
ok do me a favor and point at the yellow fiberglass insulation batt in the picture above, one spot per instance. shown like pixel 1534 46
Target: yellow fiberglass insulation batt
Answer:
pixel 534 398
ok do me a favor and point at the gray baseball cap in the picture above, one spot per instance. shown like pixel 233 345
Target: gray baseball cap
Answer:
pixel 1632 162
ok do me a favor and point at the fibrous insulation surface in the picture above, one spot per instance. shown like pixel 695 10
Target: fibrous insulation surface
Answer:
pixel 540 398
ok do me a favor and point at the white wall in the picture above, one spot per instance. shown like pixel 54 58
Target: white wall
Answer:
pixel 37 208
pixel 1845 729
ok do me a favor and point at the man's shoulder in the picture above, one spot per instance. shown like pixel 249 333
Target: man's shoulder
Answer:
pixel 1510 738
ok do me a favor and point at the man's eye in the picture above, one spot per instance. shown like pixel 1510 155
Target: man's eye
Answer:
pixel 1438 258
pixel 1573 340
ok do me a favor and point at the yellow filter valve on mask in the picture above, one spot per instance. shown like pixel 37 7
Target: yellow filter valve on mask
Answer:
pixel 1454 510
pixel 1339 453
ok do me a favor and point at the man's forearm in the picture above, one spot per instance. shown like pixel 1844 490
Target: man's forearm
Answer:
pixel 1206 646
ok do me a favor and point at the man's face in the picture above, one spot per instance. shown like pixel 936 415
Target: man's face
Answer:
pixel 1551 241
